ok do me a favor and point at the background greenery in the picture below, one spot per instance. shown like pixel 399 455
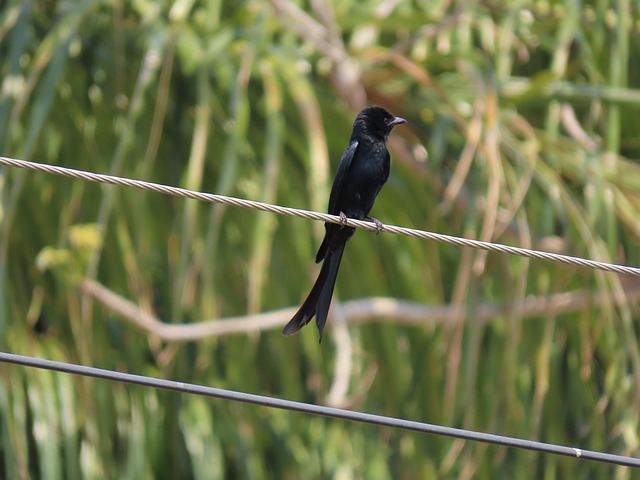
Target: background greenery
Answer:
pixel 529 113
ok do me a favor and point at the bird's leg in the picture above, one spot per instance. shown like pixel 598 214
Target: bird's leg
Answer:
pixel 343 219
pixel 379 225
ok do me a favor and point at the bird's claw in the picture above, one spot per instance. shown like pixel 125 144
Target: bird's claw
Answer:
pixel 343 219
pixel 378 223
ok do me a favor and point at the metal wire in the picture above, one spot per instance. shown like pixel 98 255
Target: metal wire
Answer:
pixel 271 402
pixel 323 217
pixel 338 413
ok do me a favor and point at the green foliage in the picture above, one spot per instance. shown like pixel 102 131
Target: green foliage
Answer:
pixel 528 112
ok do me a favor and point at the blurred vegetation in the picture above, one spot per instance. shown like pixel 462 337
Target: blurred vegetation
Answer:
pixel 523 130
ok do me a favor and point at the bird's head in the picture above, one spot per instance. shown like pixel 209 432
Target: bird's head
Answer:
pixel 377 121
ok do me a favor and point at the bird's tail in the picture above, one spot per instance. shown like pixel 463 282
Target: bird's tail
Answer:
pixel 319 299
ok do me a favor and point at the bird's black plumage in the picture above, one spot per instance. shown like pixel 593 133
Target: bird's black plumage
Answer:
pixel 363 169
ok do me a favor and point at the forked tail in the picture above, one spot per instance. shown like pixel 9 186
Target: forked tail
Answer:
pixel 319 299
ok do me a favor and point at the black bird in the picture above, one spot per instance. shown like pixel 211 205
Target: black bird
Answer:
pixel 363 169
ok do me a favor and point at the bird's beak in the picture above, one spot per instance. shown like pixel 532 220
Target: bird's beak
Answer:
pixel 397 121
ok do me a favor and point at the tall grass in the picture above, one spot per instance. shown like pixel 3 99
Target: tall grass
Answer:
pixel 523 130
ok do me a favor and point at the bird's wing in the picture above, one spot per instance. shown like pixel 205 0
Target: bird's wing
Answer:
pixel 341 175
